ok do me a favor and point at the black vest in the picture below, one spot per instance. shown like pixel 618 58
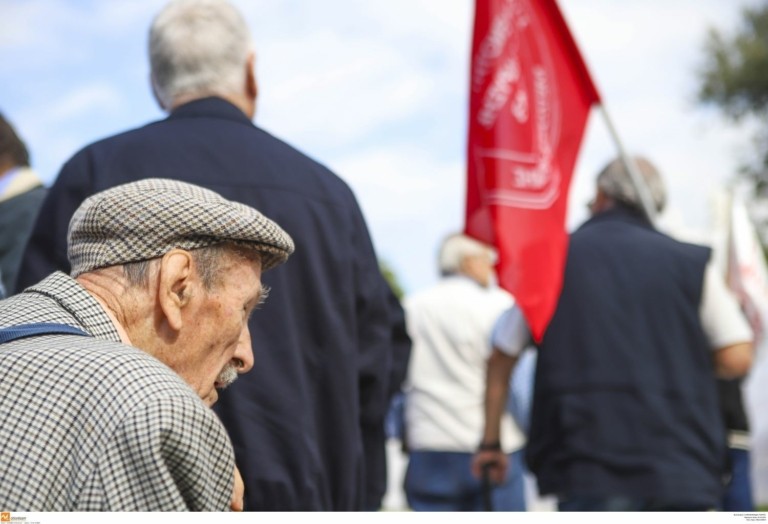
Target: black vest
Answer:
pixel 625 401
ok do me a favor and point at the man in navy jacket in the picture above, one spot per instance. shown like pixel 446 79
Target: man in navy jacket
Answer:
pixel 304 420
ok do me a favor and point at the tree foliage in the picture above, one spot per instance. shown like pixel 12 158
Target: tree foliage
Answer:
pixel 734 78
pixel 735 74
pixel 391 278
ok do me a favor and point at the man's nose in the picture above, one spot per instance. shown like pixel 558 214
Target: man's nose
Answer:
pixel 243 357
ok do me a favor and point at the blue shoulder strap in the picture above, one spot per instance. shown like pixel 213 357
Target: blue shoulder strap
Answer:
pixel 39 328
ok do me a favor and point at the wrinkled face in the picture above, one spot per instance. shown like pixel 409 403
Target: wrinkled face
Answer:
pixel 218 343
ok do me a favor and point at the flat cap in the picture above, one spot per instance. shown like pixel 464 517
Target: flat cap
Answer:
pixel 146 219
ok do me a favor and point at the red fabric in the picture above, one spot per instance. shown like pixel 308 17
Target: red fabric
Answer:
pixel 530 96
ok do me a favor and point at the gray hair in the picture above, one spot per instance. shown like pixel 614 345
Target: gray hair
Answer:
pixel 455 248
pixel 615 182
pixel 208 261
pixel 198 47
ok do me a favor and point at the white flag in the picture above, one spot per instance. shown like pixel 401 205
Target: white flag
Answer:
pixel 746 271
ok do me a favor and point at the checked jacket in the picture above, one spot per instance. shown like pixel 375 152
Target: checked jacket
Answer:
pixel 91 424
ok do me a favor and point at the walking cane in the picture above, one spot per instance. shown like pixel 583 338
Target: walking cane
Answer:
pixel 487 487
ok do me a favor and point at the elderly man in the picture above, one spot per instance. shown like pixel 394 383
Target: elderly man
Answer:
pixel 625 412
pixel 107 372
pixel 450 326
pixel 308 423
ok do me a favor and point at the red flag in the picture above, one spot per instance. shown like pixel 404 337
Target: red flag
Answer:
pixel 530 96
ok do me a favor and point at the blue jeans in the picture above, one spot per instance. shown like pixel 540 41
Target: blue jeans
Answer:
pixel 738 493
pixel 619 503
pixel 443 481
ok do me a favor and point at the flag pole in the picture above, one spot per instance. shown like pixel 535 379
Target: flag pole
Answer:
pixel 728 234
pixel 723 212
pixel 646 200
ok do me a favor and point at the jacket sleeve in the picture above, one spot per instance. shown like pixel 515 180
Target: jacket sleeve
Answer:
pixel 374 333
pixel 401 347
pixel 374 434
pixel 167 455
pixel 46 249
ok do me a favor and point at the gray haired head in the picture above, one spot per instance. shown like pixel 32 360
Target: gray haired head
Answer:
pixel 614 180
pixel 455 248
pixel 198 48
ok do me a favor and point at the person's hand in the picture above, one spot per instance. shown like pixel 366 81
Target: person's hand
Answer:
pixel 494 461
pixel 236 504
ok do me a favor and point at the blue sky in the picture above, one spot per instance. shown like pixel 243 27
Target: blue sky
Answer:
pixel 377 91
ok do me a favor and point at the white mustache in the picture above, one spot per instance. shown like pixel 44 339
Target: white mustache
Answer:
pixel 227 376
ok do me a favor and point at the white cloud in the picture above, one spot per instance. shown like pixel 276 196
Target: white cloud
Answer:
pixel 99 99
pixel 42 34
pixel 411 199
pixel 402 183
pixel 31 24
pixel 343 90
pixel 643 57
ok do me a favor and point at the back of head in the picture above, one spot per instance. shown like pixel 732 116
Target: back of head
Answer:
pixel 456 248
pixel 13 152
pixel 198 48
pixel 614 180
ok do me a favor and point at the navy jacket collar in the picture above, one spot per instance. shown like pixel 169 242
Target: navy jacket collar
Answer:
pixel 620 213
pixel 211 107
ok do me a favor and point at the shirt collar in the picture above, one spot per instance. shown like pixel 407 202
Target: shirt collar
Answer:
pixel 7 178
pixel 622 213
pixel 210 107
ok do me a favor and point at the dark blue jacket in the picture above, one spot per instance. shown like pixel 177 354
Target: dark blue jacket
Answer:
pixel 625 401
pixel 300 419
pixel 17 216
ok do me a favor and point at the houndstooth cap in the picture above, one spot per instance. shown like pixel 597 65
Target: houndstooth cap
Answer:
pixel 146 219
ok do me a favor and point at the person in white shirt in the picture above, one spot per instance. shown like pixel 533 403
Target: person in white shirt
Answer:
pixel 450 326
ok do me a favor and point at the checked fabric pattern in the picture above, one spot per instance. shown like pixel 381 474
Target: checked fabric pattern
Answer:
pixel 90 424
pixel 146 219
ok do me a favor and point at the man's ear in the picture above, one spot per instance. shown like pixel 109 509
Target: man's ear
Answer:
pixel 251 86
pixel 601 202
pixel 175 286
pixel 465 265
pixel 155 93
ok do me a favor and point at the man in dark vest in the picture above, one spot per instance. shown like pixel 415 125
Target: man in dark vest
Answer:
pixel 625 411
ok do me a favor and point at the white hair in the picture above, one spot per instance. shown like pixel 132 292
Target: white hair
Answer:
pixel 616 182
pixel 455 248
pixel 198 47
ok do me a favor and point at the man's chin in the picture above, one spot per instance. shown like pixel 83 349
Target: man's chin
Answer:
pixel 211 398
pixel 223 381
